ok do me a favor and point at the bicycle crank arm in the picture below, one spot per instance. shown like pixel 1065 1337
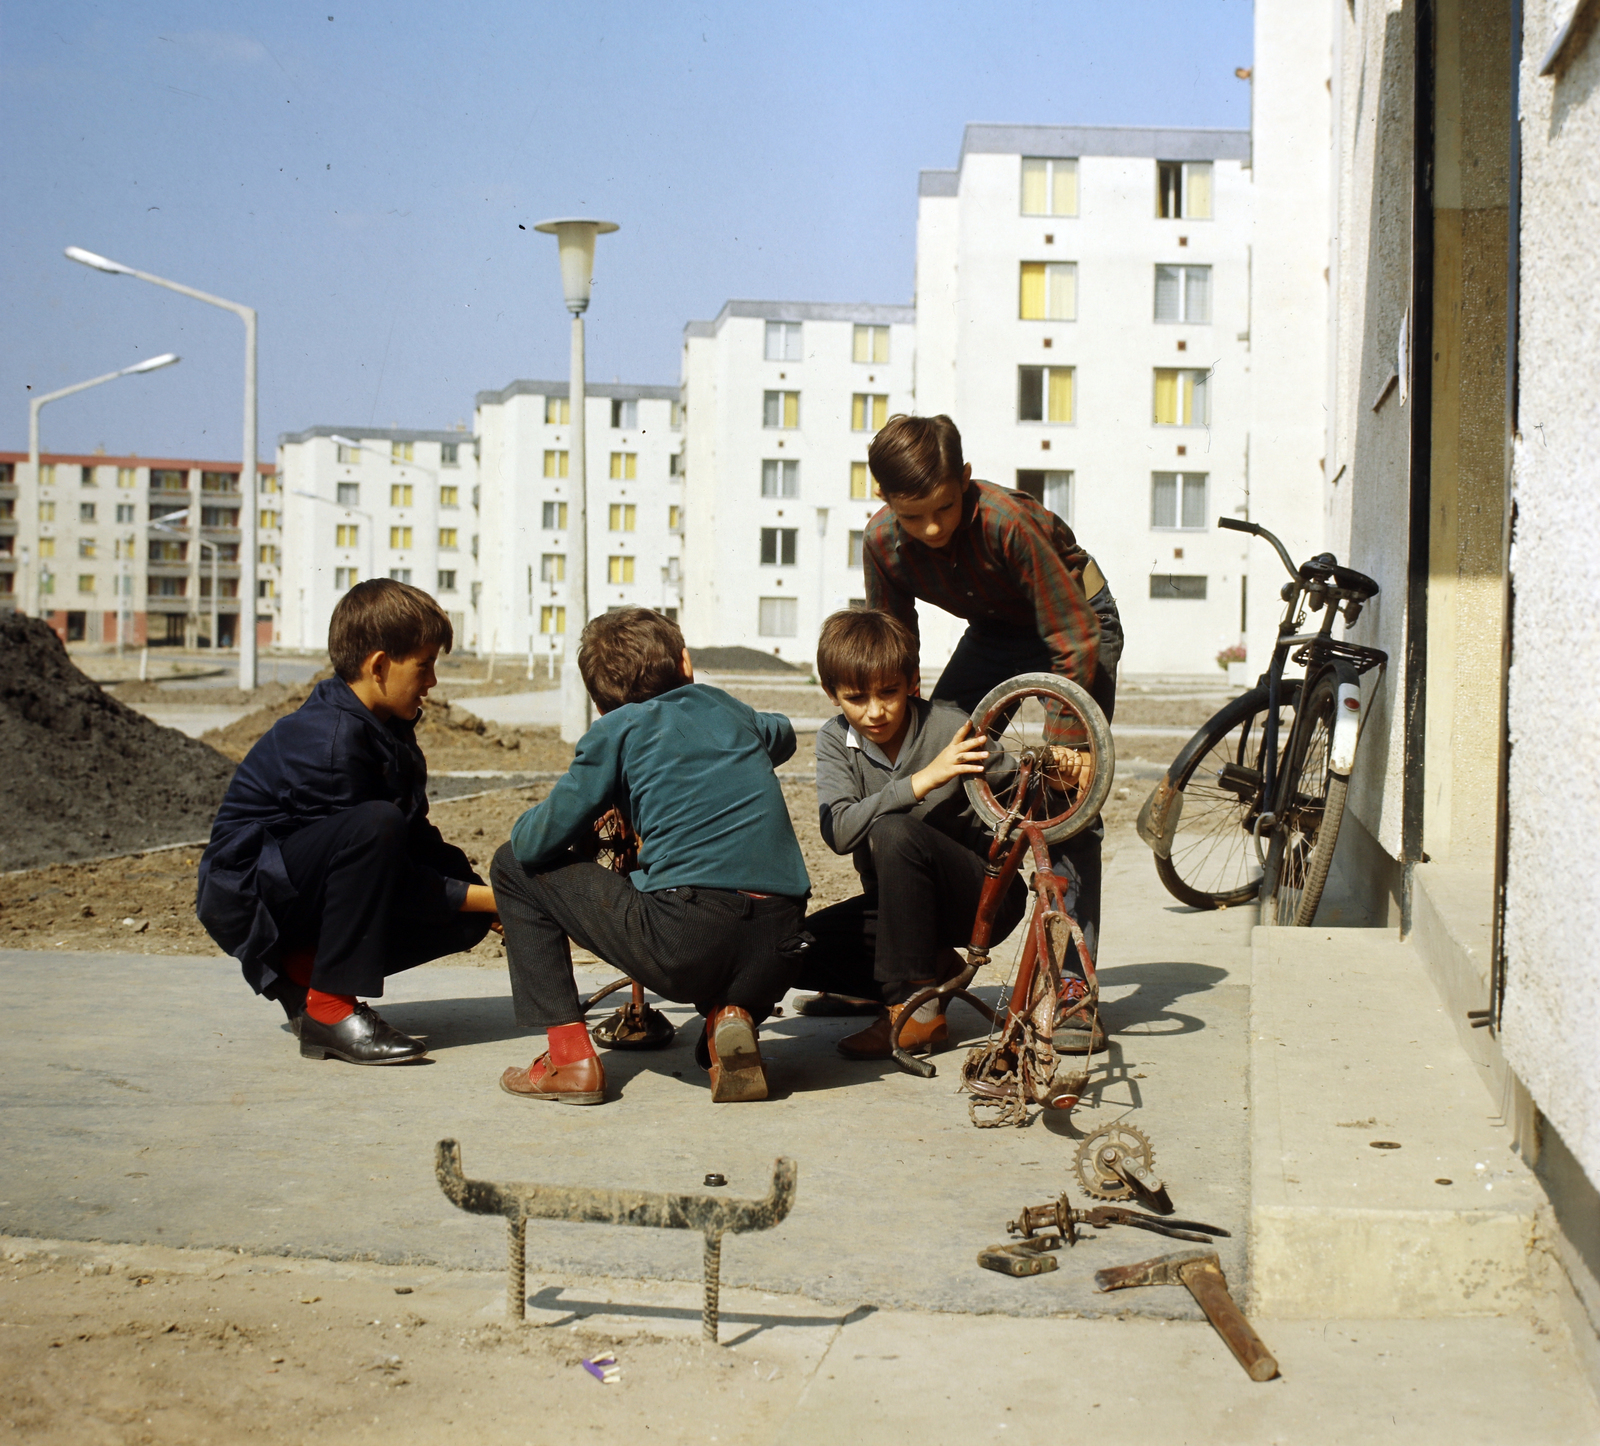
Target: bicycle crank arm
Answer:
pixel 1104 1215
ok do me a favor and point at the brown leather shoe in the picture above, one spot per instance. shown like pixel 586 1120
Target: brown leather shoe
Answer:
pixel 873 1041
pixel 736 1069
pixel 581 1083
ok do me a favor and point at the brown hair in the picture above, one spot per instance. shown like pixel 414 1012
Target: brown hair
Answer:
pixel 911 456
pixel 382 615
pixel 628 656
pixel 862 647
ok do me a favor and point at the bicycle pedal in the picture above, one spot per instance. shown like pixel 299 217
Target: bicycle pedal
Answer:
pixel 1022 1257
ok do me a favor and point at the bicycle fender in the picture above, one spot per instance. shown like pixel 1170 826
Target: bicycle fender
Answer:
pixel 1346 729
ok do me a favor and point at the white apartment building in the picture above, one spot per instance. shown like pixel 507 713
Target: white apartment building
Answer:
pixel 1083 314
pixel 363 502
pixel 781 400
pixel 635 509
pixel 125 549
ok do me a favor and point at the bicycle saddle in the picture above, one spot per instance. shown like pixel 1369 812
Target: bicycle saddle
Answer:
pixel 1325 567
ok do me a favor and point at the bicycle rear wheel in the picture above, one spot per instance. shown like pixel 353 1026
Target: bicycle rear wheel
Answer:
pixel 1213 863
pixel 1307 831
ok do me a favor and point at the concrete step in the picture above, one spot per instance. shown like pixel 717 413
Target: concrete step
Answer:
pixel 1350 1044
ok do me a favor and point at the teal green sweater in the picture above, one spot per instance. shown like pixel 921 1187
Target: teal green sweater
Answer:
pixel 692 771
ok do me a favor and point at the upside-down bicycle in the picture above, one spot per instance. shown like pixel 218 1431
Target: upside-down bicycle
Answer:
pixel 1251 806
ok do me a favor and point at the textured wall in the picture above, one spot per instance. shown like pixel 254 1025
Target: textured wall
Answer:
pixel 1552 1018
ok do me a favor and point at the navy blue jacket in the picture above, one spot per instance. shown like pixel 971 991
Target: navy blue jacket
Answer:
pixel 329 755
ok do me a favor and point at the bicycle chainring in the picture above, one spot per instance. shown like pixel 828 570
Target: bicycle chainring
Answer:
pixel 1099 1150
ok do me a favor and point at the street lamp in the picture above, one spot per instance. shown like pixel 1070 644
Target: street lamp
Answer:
pixel 575 237
pixel 249 481
pixel 30 513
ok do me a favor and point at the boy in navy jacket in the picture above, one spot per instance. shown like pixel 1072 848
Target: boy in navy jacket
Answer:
pixel 323 874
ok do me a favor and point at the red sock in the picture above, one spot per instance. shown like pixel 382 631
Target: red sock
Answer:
pixel 568 1043
pixel 329 1008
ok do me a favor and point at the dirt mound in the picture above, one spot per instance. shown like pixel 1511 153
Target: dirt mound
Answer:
pixel 82 774
pixel 742 660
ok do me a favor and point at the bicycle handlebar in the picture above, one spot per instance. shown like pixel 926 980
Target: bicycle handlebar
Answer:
pixel 1255 529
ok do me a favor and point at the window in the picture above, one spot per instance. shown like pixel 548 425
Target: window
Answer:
pixel 269 519
pixel 622 516
pixel 1177 584
pixel 267 554
pixel 1053 489
pixel 557 410
pixel 399 538
pixel 860 481
pixel 86 512
pixel 778 546
pixel 780 409
pixel 168 479
pixel 674 519
pixel 1049 291
pixel 47 547
pixel 447 580
pixel 779 617
pixel 124 512
pixel 619 569
pixel 266 587
pixel 269 483
pixel 449 454
pixel 780 478
pixel 47 511
pixel 676 416
pixel 783 341
pixel 555 464
pixel 8 509
pixel 87 547
pixel 401 452
pixel 226 586
pixel 348 494
pixel 219 481
pixel 675 465
pixel 346 534
pixel 349 456
pixel 86 476
pixel 624 466
pixel 447 538
pixel 345 578
pixel 1049 187
pixel 1183 293
pixel 219 517
pixel 553 567
pixel 47 582
pixel 624 414
pixel 868 412
pixel 552 620
pixel 47 474
pixel 166 551
pixel 855 548
pixel 86 582
pixel 554 517
pixel 127 477
pixel 168 586
pixel 1181 398
pixel 400 494
pixel 400 574
pixel 125 547
pixel 1178 499
pixel 228 552
pixel 1044 394
pixel 1183 190
pixel 869 344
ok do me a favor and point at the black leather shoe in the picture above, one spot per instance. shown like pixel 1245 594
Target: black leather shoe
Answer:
pixel 360 1038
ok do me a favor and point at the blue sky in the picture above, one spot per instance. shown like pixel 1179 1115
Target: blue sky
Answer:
pixel 362 181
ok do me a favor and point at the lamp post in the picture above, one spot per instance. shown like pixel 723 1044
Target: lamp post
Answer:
pixel 249 480
pixel 30 503
pixel 575 237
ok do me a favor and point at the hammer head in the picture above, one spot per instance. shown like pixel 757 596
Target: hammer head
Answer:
pixel 1163 1270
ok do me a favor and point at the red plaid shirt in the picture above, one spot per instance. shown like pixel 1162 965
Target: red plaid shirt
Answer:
pixel 1010 561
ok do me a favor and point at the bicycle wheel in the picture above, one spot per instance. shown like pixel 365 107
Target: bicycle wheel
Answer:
pixel 1017 715
pixel 1308 824
pixel 1212 863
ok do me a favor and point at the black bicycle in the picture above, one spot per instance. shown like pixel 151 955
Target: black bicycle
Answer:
pixel 1251 807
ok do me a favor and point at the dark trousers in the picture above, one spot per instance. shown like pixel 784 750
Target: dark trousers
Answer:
pixel 925 901
pixel 987 656
pixel 705 947
pixel 359 905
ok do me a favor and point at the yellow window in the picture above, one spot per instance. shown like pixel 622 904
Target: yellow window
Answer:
pixel 674 518
pixel 791 409
pixel 553 568
pixel 127 476
pixel 85 582
pixel 860 481
pixel 619 569
pixel 447 497
pixel 399 537
pixel 552 619
pixel 347 534
pixel 557 410
pixel 1181 398
pixel 47 512
pixel 269 519
pixel 870 344
pixel 267 554
pixel 400 451
pixel 624 466
pixel 1060 400
pixel 868 411
pixel 622 516
pixel 1049 186
pixel 1048 291
pixel 47 474
pixel 267 587
pixel 47 547
pixel 400 494
pixel 86 547
pixel 555 464
pixel 447 538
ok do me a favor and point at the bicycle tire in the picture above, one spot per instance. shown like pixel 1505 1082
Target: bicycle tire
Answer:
pixel 995 716
pixel 1212 861
pixel 1307 831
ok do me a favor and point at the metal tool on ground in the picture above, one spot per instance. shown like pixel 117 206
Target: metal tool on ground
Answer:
pixel 1201 1272
pixel 1117 1162
pixel 520 1202
pixel 1022 1257
pixel 1059 1216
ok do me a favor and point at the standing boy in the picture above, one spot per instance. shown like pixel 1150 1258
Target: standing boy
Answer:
pixel 721 882
pixel 1034 600
pixel 323 875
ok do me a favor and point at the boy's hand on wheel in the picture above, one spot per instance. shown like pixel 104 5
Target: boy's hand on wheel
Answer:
pixel 961 755
pixel 1068 769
